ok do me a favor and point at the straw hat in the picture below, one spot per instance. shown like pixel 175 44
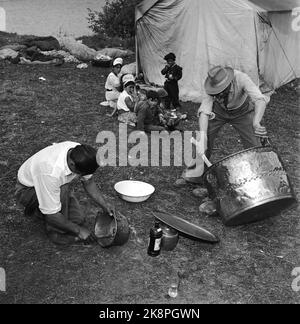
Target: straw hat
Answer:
pixel 219 78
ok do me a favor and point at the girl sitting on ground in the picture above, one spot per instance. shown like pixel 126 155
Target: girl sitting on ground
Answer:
pixel 126 102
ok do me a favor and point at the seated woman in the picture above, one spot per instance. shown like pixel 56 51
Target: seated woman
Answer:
pixel 126 102
pixel 113 84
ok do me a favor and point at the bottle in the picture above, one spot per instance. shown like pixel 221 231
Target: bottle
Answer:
pixel 155 240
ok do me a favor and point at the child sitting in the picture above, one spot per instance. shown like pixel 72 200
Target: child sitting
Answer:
pixel 126 102
pixel 141 95
pixel 149 115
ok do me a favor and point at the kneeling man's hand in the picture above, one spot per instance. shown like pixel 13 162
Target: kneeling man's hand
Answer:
pixel 109 208
pixel 87 236
pixel 84 233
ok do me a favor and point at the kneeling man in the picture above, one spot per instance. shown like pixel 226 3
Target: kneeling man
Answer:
pixel 43 189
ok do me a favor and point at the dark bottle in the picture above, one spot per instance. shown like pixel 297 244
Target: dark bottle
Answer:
pixel 155 240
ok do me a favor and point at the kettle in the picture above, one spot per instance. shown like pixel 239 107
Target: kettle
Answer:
pixel 169 239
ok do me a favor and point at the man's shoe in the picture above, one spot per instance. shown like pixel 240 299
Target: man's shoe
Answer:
pixel 180 183
pixel 200 193
pixel 62 239
pixel 209 208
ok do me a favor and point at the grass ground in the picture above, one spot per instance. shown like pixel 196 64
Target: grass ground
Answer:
pixel 251 264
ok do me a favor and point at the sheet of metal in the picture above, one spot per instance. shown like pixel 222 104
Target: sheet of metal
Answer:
pixel 187 228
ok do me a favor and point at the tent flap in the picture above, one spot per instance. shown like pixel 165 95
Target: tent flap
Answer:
pixel 277 5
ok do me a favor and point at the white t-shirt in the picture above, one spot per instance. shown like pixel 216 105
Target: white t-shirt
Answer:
pixel 112 82
pixel 121 101
pixel 47 171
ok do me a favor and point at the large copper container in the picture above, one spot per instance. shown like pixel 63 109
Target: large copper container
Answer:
pixel 250 185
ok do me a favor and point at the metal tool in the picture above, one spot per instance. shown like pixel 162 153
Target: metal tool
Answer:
pixel 203 156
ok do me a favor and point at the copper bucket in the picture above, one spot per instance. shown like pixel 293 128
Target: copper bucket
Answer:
pixel 111 230
pixel 250 186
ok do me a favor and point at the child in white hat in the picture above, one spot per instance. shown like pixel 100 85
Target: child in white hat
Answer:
pixel 126 102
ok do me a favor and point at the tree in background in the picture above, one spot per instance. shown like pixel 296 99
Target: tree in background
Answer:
pixel 117 19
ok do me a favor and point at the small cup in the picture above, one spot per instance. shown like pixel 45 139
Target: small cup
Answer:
pixel 173 290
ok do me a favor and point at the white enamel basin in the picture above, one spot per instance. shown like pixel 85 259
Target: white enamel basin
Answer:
pixel 134 191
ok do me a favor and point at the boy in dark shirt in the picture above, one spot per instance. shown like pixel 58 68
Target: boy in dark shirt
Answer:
pixel 149 115
pixel 173 74
pixel 141 95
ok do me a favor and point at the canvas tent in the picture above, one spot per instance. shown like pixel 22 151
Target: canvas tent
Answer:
pixel 256 37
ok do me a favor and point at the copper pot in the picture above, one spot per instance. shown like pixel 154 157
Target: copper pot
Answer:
pixel 111 230
pixel 250 185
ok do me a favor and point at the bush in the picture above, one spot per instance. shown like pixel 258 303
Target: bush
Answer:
pixel 12 38
pixel 98 42
pixel 117 19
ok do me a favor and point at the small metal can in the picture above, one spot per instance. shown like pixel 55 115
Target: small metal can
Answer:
pixel 169 239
